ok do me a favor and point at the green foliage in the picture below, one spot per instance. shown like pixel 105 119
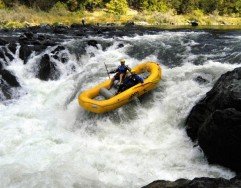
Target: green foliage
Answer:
pixel 184 6
pixel 117 6
pixel 154 5
pixel 209 6
pixel 238 6
pixel 59 8
pixel 2 5
pixel 222 7
pixel 8 3
pixel 90 5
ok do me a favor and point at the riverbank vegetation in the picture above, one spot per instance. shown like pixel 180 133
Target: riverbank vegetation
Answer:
pixel 21 13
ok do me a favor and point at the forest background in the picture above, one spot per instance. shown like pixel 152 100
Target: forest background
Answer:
pixel 22 13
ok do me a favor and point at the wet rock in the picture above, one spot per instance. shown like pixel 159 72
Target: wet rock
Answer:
pixel 36 42
pixel 64 58
pixel 12 47
pixel 220 138
pixel 92 43
pixel 80 33
pixel 3 42
pixel 45 28
pixel 47 69
pixel 1 65
pixel 5 55
pixel 24 53
pixel 59 55
pixel 26 50
pixel 29 35
pixel 129 24
pixel 201 80
pixel 194 23
pixel 8 85
pixel 9 78
pixel 23 40
pixel 60 29
pixel 111 24
pixel 41 37
pixel 76 26
pixel 162 183
pixel 120 45
pixel 58 49
pixel 2 54
pixel 215 121
pixel 49 43
pixel 197 182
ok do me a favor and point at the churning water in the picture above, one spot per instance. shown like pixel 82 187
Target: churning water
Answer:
pixel 48 140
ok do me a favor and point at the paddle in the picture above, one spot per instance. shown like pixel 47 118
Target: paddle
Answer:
pixel 107 70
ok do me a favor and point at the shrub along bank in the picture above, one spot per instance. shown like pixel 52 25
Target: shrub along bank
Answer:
pixel 22 13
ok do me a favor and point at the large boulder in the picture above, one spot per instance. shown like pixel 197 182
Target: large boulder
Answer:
pixel 47 69
pixel 215 121
pixel 220 138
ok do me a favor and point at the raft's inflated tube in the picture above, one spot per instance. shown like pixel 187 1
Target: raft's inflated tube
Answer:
pixel 106 93
pixel 87 98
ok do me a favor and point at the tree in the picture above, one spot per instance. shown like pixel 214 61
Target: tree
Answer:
pixel 238 6
pixel 209 6
pixel 2 5
pixel 184 6
pixel 117 6
pixel 154 5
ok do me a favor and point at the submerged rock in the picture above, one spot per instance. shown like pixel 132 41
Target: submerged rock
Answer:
pixel 201 80
pixel 215 121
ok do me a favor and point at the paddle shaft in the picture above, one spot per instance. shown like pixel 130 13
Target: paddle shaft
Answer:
pixel 107 70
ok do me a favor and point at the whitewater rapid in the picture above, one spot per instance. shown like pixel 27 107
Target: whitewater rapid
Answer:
pixel 48 140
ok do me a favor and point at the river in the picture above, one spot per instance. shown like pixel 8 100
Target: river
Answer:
pixel 48 140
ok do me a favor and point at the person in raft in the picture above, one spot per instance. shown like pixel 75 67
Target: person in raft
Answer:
pixel 130 81
pixel 120 73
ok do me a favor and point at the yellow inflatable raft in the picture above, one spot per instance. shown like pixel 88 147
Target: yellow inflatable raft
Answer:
pixel 88 99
